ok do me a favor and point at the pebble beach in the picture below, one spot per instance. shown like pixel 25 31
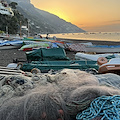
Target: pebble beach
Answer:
pixel 7 56
pixel 56 95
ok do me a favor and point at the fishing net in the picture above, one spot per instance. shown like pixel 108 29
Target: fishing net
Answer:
pixel 52 96
pixel 68 80
pixel 43 103
pixel 109 79
pixel 6 92
pixel 12 85
pixel 81 98
pixel 16 81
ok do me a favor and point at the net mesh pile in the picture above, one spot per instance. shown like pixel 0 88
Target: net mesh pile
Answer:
pixel 52 96
pixel 81 97
pixel 43 103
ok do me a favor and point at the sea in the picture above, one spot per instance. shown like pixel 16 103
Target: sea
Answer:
pixel 100 36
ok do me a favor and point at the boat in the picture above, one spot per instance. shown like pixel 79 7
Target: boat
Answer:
pixel 103 48
pixel 55 59
pixel 45 66
pixel 35 46
pixel 77 47
pixel 10 44
pixel 113 66
pixel 44 54
pixel 94 57
pixel 52 59
pixel 10 70
pixel 42 39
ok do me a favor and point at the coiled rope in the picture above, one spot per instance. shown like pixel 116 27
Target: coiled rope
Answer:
pixel 106 106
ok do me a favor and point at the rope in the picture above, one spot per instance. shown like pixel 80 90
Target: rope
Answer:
pixel 106 106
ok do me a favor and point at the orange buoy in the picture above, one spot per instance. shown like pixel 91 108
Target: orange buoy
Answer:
pixel 101 60
pixel 35 70
pixel 61 112
pixel 19 65
pixel 59 119
pixel 44 115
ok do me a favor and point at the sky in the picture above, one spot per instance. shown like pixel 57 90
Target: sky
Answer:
pixel 90 15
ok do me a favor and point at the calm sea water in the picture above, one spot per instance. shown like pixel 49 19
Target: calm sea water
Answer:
pixel 100 36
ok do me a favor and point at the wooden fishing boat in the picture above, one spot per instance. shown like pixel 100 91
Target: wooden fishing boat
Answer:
pixel 43 40
pixel 45 66
pixel 35 45
pixel 77 47
pixel 11 44
pixel 5 71
pixel 113 66
pixel 103 49
pixel 94 57
pixel 55 59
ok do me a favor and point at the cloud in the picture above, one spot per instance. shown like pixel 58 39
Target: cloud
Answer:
pixel 113 21
pixel 104 28
pixel 80 24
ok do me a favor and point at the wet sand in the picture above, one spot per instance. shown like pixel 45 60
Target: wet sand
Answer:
pixel 96 42
pixel 7 56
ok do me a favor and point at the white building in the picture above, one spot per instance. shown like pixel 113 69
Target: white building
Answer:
pixel 6 10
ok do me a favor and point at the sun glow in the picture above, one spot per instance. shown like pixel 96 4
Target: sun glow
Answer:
pixel 83 13
pixel 60 14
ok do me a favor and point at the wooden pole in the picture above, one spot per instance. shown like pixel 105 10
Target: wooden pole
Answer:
pixel 28 28
pixel 20 29
pixel 7 30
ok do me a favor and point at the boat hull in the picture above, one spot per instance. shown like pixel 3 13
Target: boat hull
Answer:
pixel 5 47
pixel 45 66
pixel 103 49
pixel 10 44
pixel 113 66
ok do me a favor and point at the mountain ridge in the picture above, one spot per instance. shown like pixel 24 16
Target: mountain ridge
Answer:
pixel 43 21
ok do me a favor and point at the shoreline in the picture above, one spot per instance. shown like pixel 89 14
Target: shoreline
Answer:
pixel 7 56
pixel 96 42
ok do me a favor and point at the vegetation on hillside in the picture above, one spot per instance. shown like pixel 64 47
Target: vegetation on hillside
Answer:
pixel 11 24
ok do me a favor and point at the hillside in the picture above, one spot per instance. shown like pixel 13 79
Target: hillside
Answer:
pixel 11 23
pixel 42 21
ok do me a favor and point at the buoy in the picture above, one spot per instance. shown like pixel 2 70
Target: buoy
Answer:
pixel 35 70
pixel 61 112
pixel 101 60
pixel 19 65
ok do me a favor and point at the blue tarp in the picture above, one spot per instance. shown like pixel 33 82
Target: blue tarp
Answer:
pixel 14 42
pixel 106 46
